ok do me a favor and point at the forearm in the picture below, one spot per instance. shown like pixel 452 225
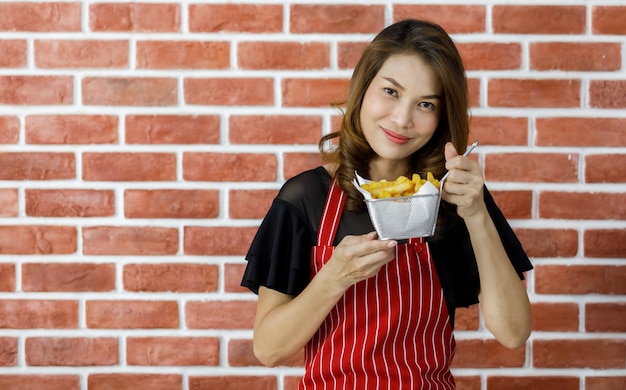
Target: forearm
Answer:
pixel 503 298
pixel 288 326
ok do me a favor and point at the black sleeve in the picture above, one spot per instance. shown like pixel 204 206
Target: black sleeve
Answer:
pixel 280 253
pixel 455 261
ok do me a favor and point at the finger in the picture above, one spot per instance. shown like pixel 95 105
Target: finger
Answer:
pixel 450 151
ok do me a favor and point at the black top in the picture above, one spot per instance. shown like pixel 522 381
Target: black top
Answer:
pixel 279 257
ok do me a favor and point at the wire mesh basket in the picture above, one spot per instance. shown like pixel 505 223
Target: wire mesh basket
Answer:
pixel 404 217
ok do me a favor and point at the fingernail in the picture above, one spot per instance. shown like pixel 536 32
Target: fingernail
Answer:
pixel 392 243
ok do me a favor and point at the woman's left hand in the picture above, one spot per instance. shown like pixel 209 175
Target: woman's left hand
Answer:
pixel 464 185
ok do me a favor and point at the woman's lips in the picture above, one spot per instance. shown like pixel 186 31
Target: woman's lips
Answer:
pixel 395 137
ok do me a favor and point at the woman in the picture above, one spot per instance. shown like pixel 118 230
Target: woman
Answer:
pixel 374 313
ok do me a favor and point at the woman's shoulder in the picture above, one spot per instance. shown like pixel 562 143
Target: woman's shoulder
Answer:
pixel 306 185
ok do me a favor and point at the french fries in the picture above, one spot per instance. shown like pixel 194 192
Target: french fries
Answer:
pixel 402 186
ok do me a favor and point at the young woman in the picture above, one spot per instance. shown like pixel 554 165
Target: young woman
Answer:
pixel 374 313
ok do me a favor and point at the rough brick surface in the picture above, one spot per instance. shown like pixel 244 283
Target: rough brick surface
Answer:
pixel 142 143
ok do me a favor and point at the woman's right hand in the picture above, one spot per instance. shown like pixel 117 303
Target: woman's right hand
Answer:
pixel 357 258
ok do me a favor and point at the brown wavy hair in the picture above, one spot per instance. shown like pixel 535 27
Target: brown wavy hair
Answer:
pixel 435 47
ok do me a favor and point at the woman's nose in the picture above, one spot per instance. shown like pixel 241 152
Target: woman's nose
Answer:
pixel 401 116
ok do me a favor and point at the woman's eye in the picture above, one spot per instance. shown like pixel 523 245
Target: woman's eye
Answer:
pixel 390 91
pixel 428 105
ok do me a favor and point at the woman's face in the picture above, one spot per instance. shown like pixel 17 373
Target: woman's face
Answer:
pixel 401 108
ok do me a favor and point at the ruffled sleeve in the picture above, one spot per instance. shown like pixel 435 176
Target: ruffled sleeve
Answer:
pixel 280 253
pixel 456 265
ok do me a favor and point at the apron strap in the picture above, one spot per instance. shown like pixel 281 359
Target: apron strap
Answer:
pixel 331 215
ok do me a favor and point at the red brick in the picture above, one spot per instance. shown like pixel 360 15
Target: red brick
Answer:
pixel 70 203
pixel 220 314
pixel 486 354
pixel 314 92
pixel 240 354
pixel 275 129
pixel 117 381
pixel 7 277
pixel 250 204
pixel 35 239
pixel 233 274
pixel 582 205
pixel 72 277
pixel 575 56
pixel 607 93
pixel 38 314
pixel 467 318
pixel 455 19
pixel 37 166
pixel 533 382
pixel 40 17
pixel 591 353
pixel 295 163
pixel 129 240
pixel 534 93
pixel 71 129
pixel 514 204
pixel 549 242
pixel 580 279
pixel 174 277
pixel 129 91
pixel 66 351
pixel 336 19
pixel 569 131
pixel 36 90
pixel 172 129
pixel 605 382
pixel 173 351
pixel 229 91
pixel 540 19
pixel 491 55
pixel 474 87
pixel 9 129
pixel 555 317
pixel 225 167
pixel 233 382
pixel 8 202
pixel 129 166
pixel 8 352
pixel 135 314
pixel 183 55
pixel 349 53
pixel 608 20
pixel 13 52
pixel 40 382
pixel 86 53
pixel 244 18
pixel 610 243
pixel 283 55
pixel 134 17
pixel 171 204
pixel 605 168
pixel 605 317
pixel 532 167
pixel 218 241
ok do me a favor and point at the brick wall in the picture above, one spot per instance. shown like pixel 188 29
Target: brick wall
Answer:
pixel 143 142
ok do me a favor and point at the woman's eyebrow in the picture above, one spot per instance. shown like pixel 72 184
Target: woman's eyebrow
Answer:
pixel 399 86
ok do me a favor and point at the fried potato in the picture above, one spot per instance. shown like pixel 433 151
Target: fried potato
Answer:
pixel 402 186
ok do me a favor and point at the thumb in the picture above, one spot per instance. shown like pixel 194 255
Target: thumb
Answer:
pixel 450 151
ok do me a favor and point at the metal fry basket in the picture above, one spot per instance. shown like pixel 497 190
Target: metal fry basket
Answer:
pixel 404 217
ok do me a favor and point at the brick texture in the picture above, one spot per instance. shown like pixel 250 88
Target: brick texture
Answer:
pixel 143 142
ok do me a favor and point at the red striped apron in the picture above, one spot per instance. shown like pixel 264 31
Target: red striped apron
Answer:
pixel 391 331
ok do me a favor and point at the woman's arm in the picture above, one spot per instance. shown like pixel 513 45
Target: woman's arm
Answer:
pixel 284 324
pixel 503 298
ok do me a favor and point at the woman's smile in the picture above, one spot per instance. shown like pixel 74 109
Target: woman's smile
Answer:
pixel 395 137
